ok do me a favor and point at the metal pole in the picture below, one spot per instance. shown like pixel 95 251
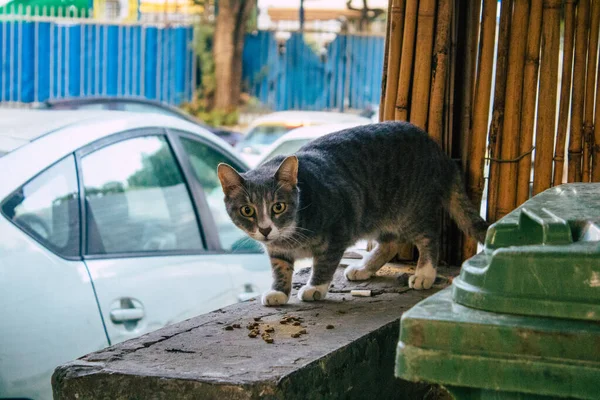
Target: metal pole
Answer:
pixel 301 16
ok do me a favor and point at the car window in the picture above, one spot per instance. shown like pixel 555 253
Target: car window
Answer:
pixel 286 148
pixel 266 134
pixel 204 161
pixel 47 208
pixel 137 200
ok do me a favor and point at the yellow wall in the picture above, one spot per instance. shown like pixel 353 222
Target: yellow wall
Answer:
pixel 151 7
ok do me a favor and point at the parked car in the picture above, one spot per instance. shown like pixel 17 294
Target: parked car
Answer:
pixel 267 129
pixel 112 225
pixel 293 140
pixel 137 105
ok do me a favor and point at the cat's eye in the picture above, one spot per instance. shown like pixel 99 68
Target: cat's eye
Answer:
pixel 278 208
pixel 247 211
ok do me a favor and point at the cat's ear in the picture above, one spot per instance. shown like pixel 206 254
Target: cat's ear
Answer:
pixel 288 171
pixel 229 177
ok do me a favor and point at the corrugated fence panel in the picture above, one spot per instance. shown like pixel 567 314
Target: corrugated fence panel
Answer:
pixel 290 74
pixel 27 69
pixel 150 88
pixel 41 89
pixel 41 60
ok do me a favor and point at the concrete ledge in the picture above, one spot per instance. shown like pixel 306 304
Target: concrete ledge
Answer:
pixel 201 359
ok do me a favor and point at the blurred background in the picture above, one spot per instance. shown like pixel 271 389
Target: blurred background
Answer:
pixel 114 115
pixel 224 62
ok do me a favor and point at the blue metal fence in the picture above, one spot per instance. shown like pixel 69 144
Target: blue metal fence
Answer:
pixel 291 75
pixel 43 59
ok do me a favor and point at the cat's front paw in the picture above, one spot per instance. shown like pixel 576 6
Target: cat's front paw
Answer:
pixel 423 278
pixel 355 273
pixel 311 293
pixel 274 298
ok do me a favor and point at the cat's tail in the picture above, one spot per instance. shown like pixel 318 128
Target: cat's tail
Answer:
pixel 463 212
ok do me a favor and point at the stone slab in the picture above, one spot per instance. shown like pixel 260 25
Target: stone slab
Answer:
pixel 347 352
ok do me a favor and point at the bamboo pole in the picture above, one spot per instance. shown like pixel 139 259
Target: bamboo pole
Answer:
pixel 530 90
pixel 386 57
pixel 546 118
pixel 422 69
pixel 440 71
pixel 481 104
pixel 475 23
pixel 495 138
pixel 408 48
pixel 406 251
pixel 588 128
pixel 451 242
pixel 481 107
pixel 472 30
pixel 565 92
pixel 393 50
pixel 596 148
pixel 581 40
pixel 384 76
pixel 451 80
pixel 509 148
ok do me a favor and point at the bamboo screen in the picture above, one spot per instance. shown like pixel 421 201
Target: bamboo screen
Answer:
pixel 507 88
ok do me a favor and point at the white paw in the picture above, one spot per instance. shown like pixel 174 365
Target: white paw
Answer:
pixel 423 278
pixel 274 298
pixel 354 273
pixel 311 293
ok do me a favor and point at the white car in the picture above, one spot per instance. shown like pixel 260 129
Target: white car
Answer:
pixel 292 141
pixel 267 129
pixel 112 225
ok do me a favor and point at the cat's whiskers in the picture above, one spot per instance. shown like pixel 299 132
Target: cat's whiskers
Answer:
pixel 304 208
pixel 243 242
pixel 303 229
pixel 297 238
pixel 301 236
pixel 294 242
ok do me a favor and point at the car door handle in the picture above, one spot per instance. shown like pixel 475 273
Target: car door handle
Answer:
pixel 126 314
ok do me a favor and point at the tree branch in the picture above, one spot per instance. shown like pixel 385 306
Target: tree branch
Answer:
pixel 366 13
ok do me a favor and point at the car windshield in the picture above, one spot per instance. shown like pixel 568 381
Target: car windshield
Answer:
pixel 266 134
pixel 286 148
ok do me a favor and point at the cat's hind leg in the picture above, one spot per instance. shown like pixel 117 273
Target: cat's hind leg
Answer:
pixel 384 251
pixel 425 272
pixel 324 266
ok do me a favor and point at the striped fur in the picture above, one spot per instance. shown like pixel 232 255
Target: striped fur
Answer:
pixel 387 182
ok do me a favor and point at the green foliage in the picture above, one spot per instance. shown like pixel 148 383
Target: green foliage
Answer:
pixel 203 46
pixel 158 169
pixel 202 106
pixel 252 24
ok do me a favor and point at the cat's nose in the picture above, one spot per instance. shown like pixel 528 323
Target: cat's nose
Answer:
pixel 265 231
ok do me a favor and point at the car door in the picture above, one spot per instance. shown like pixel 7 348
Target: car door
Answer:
pixel 48 311
pixel 245 258
pixel 149 259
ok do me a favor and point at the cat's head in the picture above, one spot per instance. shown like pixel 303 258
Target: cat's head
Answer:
pixel 263 202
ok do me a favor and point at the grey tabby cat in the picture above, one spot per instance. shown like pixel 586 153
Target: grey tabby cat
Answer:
pixel 387 182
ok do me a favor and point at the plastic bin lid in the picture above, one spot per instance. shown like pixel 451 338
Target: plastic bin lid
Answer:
pixel 513 356
pixel 542 259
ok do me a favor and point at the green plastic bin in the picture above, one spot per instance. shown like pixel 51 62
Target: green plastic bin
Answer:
pixel 522 321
